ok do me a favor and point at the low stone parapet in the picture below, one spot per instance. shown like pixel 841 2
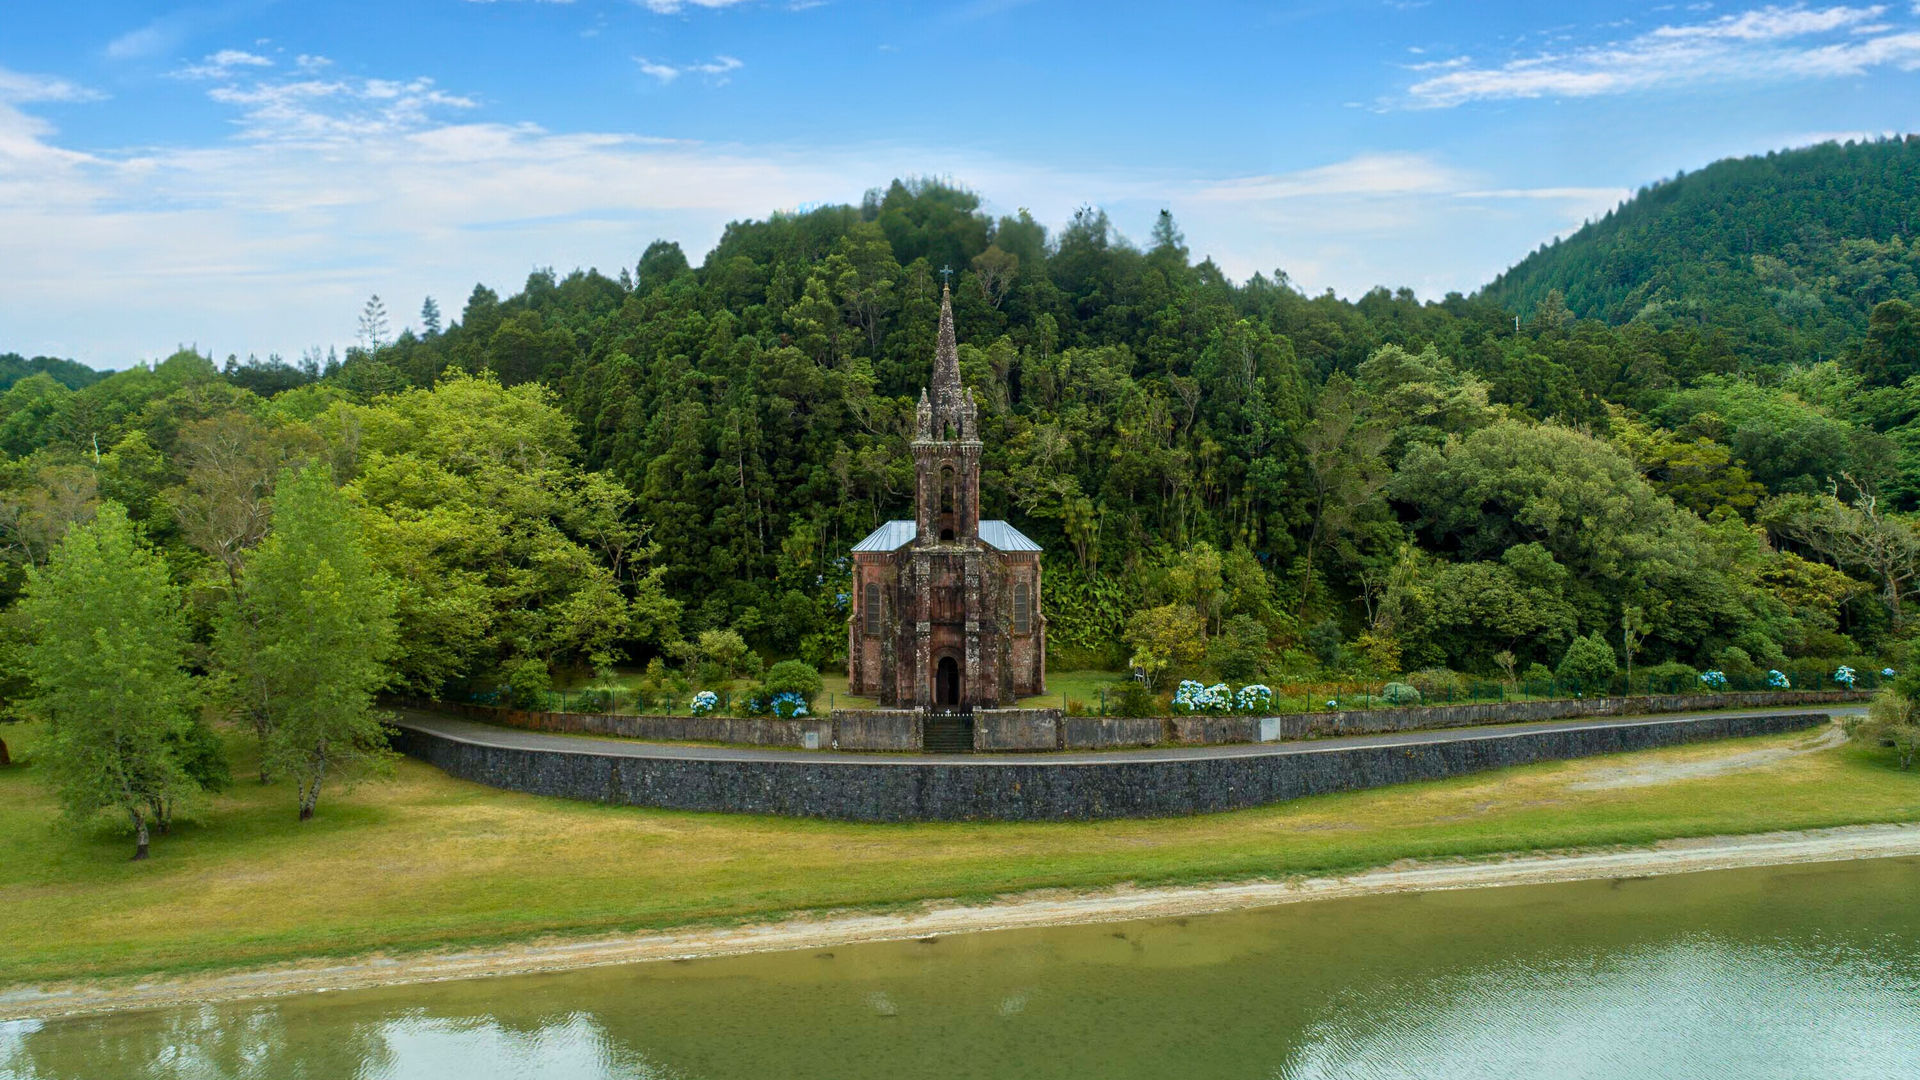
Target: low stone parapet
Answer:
pixel 1112 732
pixel 898 731
pixel 1016 729
pixel 886 730
pixel 807 733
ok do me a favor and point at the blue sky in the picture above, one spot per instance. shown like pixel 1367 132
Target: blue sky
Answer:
pixel 240 175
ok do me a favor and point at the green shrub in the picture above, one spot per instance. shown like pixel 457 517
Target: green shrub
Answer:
pixel 1438 683
pixel 1400 695
pixel 1671 677
pixel 1136 699
pixel 1588 666
pixel 792 677
pixel 528 681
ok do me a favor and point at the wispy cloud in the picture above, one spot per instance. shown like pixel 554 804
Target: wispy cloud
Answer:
pixel 716 70
pixel 1766 44
pixel 222 65
pixel 20 87
pixel 670 7
pixel 1366 174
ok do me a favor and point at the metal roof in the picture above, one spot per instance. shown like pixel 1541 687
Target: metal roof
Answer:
pixel 890 536
pixel 897 534
pixel 1001 535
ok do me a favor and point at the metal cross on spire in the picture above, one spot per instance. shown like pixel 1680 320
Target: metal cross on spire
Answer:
pixel 946 275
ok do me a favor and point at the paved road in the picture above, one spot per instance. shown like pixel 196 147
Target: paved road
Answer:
pixel 488 735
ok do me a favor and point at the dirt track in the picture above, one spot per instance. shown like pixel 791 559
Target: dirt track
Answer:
pixel 1024 910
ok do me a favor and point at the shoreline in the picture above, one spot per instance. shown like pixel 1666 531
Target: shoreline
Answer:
pixel 1019 911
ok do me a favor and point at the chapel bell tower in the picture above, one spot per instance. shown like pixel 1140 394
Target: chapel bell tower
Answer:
pixel 946 448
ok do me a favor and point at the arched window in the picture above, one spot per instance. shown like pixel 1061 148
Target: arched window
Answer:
pixel 1022 608
pixel 872 608
pixel 946 490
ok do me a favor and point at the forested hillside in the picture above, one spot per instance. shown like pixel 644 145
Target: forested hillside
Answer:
pixel 14 367
pixel 1230 479
pixel 1785 254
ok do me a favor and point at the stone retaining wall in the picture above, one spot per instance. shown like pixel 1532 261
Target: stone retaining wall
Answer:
pixel 966 789
pixel 1004 730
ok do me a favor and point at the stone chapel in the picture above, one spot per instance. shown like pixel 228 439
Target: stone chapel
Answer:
pixel 946 607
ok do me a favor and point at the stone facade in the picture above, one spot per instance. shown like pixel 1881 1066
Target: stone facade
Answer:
pixel 946 607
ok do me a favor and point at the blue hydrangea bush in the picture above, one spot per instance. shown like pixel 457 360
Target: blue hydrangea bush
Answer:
pixel 1714 680
pixel 704 703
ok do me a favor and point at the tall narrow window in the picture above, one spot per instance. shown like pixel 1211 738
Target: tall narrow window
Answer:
pixel 946 491
pixel 1022 608
pixel 872 608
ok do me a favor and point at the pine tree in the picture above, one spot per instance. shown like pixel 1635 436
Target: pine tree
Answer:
pixel 108 638
pixel 373 324
pixel 430 317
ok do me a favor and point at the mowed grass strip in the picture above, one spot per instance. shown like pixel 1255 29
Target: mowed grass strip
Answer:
pixel 425 860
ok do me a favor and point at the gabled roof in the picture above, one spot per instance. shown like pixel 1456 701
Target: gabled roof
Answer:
pixel 895 535
pixel 1001 535
pixel 889 537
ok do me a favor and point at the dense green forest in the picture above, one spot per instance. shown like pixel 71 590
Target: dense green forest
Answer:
pixel 1697 447
pixel 1786 255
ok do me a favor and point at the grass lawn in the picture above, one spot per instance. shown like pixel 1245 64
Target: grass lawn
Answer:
pixel 425 860
pixel 1081 687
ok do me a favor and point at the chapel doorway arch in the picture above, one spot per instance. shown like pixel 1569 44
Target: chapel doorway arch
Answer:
pixel 946 682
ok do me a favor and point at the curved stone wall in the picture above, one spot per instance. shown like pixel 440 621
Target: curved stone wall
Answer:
pixel 1136 784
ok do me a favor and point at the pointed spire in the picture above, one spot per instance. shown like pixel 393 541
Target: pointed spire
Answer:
pixel 946 357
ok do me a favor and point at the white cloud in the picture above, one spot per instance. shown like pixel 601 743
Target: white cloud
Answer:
pixel 223 64
pixel 716 70
pixel 671 7
pixel 333 188
pixel 1771 43
pixel 20 87
pixel 1366 174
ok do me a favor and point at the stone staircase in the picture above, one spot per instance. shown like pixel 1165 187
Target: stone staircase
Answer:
pixel 947 732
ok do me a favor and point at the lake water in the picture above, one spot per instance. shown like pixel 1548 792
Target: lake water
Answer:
pixel 1795 972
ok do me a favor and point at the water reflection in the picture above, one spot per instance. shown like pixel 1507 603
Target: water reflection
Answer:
pixel 1793 972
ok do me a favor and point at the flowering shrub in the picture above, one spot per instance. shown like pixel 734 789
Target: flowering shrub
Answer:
pixel 1192 697
pixel 1778 680
pixel 1183 695
pixel 704 703
pixel 1886 672
pixel 1333 703
pixel 1253 697
pixel 1714 680
pixel 789 705
pixel 1844 675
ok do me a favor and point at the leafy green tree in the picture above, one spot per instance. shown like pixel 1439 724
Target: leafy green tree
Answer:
pixel 106 653
pixel 309 636
pixel 1165 638
pixel 1239 651
pixel 1588 665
